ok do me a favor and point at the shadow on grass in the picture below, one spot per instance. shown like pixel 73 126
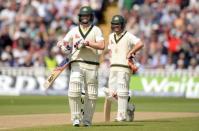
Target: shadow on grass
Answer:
pixel 134 123
pixel 109 125
pixel 117 124
pixel 154 121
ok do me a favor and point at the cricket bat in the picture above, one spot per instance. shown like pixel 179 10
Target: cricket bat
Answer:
pixel 107 110
pixel 58 70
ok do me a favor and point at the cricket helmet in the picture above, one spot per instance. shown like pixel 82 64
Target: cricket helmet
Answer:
pixel 118 19
pixel 86 10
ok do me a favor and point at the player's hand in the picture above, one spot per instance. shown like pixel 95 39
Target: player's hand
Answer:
pixel 66 49
pixel 114 95
pixel 79 45
pixel 60 43
pixel 82 44
pixel 86 43
pixel 130 56
pixel 133 64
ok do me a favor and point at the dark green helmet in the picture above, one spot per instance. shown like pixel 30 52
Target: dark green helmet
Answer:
pixel 118 19
pixel 85 10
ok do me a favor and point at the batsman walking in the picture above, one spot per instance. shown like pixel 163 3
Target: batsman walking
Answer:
pixel 123 46
pixel 84 66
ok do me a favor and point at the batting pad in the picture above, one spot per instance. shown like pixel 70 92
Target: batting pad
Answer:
pixel 74 89
pixel 122 107
pixel 74 93
pixel 75 107
pixel 75 84
pixel 92 91
pixel 122 101
pixel 122 90
pixel 122 84
pixel 90 102
pixel 89 109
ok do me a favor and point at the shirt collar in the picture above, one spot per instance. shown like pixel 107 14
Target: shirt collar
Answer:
pixel 120 33
pixel 84 29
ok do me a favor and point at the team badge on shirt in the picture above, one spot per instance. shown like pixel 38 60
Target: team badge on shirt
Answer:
pixel 77 36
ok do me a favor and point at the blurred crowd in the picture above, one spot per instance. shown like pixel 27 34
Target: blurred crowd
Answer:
pixel 169 28
pixel 30 29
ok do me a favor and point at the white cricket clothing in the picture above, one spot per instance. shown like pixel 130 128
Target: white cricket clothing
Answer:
pixel 75 107
pixel 122 107
pixel 86 54
pixel 119 47
pixel 84 66
pixel 120 72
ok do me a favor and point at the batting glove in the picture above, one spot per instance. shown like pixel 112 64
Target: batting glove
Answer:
pixel 66 49
pixel 133 64
pixel 80 44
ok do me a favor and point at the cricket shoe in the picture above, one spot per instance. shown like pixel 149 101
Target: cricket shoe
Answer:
pixel 86 123
pixel 130 112
pixel 76 123
pixel 120 118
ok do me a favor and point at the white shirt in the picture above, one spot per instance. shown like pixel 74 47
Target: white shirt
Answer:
pixel 85 53
pixel 120 46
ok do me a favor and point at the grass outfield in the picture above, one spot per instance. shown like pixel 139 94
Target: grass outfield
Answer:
pixel 183 124
pixel 19 105
pixel 16 105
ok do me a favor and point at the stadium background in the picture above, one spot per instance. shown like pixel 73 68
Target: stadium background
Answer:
pixel 30 29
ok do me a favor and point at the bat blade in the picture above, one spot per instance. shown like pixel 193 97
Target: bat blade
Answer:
pixel 51 78
pixel 55 73
pixel 107 110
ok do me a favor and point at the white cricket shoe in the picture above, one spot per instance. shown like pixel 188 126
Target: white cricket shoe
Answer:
pixel 120 120
pixel 76 122
pixel 120 117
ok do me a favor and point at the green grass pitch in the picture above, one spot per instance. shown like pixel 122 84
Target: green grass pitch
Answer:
pixel 183 124
pixel 19 105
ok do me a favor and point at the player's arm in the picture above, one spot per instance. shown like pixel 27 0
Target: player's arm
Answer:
pixel 66 40
pixel 100 45
pixel 64 44
pixel 136 43
pixel 99 41
pixel 139 45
